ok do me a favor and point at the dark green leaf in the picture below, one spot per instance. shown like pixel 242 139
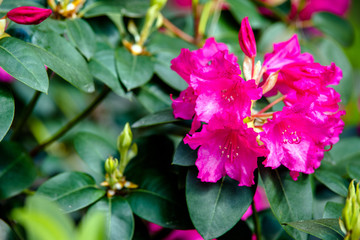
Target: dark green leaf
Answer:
pixel 327 229
pixel 61 57
pixel 354 170
pixel 334 26
pixel 119 218
pixel 243 8
pixel 162 117
pixel 216 207
pixel 162 69
pixel 94 150
pixel 7 111
pixel 82 35
pixel 289 200
pixel 71 190
pixel 6 233
pixel 276 32
pixel 17 170
pixel 102 67
pixel 7 5
pixel 240 229
pixel 133 8
pixel 333 181
pixel 154 98
pixel 333 210
pixel 43 220
pixel 184 155
pixel 20 60
pixel 134 71
pixel 172 46
pixel 53 25
pixel 271 228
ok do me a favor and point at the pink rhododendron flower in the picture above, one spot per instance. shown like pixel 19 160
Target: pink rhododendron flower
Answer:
pixel 175 234
pixel 297 136
pixel 5 77
pixel 260 201
pixel 184 105
pixel 28 15
pixel 338 7
pixel 226 148
pixel 247 39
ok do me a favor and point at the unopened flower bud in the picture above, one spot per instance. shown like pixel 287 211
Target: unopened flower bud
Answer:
pixel 28 15
pixel 247 39
pixel 111 165
pixel 125 139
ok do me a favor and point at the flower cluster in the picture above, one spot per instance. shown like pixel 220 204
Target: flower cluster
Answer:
pixel 231 134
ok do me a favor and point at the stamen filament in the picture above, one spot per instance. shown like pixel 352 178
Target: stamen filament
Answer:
pixel 272 104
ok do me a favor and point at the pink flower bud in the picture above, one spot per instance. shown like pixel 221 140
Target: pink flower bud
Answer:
pixel 28 15
pixel 247 39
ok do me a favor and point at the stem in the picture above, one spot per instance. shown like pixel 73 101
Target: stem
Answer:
pixel 195 8
pixel 25 115
pixel 262 115
pixel 177 31
pixel 271 104
pixel 256 221
pixel 72 123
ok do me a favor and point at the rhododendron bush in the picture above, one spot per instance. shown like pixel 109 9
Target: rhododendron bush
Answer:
pixel 179 119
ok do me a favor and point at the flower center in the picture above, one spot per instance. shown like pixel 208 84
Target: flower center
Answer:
pixel 230 149
pixel 290 136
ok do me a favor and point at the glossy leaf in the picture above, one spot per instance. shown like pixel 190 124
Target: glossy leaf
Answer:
pixel 94 150
pixel 61 57
pixel 327 229
pixel 119 220
pixel 215 207
pixel 154 98
pixel 277 32
pixel 133 8
pixel 333 181
pixel 243 8
pixel 6 233
pixel 289 200
pixel 334 26
pixel 354 170
pixel 17 170
pixel 20 60
pixel 92 227
pixel 7 111
pixel 102 67
pixel 162 117
pixel 82 35
pixel 333 210
pixel 134 71
pixel 184 155
pixel 43 220
pixel 71 190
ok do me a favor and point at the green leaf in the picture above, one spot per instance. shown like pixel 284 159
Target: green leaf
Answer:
pixel 20 60
pixel 102 67
pixel 43 220
pixel 119 220
pixel 333 181
pixel 184 155
pixel 172 46
pixel 92 227
pixel 325 51
pixel 6 233
pixel 216 207
pixel 289 200
pixel 168 76
pixel 277 32
pixel 157 118
pixel 333 210
pixel 17 170
pixel 243 8
pixel 61 57
pixel 71 190
pixel 354 170
pixel 154 98
pixel 133 8
pixel 7 111
pixel 327 229
pixel 82 35
pixel 134 71
pixel 334 26
pixel 94 150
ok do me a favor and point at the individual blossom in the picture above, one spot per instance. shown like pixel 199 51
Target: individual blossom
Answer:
pixel 226 147
pixel 247 39
pixel 28 15
pixel 298 135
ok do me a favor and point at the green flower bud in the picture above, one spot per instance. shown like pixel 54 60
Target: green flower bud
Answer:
pixel 111 165
pixel 351 214
pixel 125 138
